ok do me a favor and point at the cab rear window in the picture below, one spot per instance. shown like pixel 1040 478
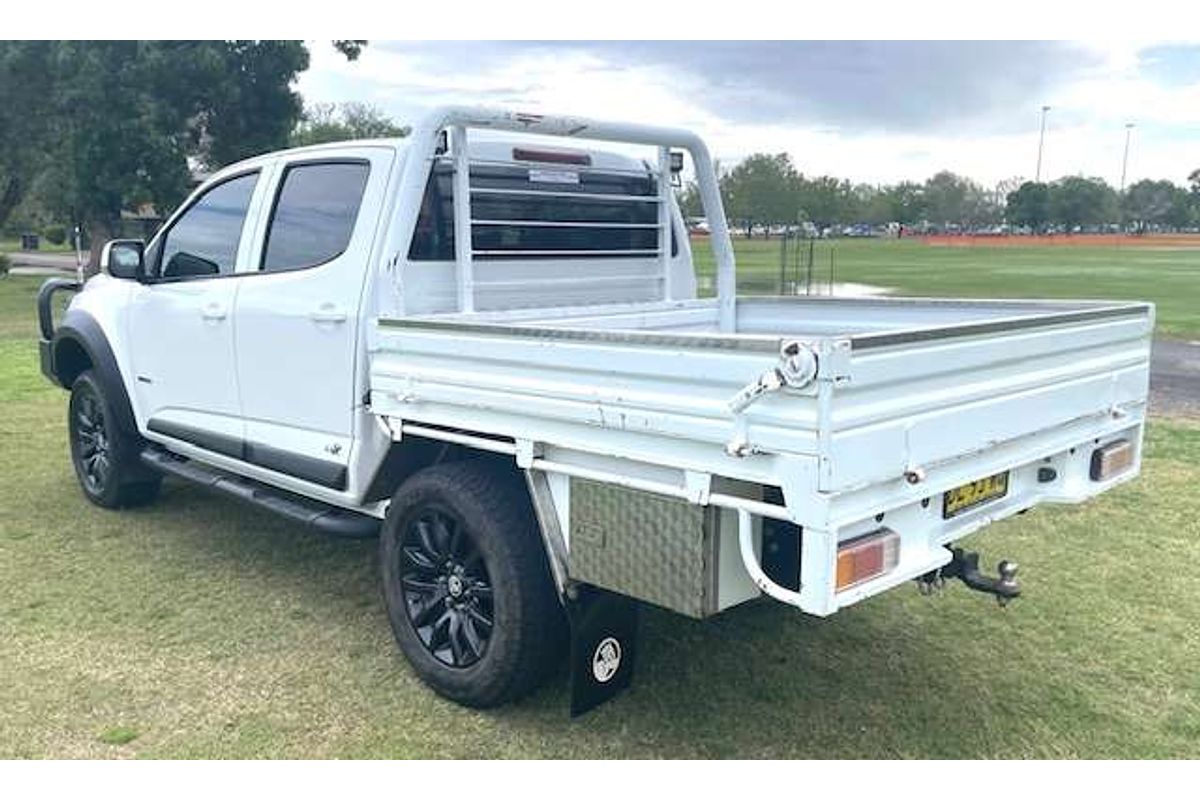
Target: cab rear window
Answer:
pixel 542 212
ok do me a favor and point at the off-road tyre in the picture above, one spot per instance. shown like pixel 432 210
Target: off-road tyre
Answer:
pixel 488 508
pixel 105 458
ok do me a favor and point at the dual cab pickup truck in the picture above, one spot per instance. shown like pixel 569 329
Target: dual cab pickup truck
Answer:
pixel 489 351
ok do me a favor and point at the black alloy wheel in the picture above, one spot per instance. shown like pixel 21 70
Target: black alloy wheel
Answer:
pixel 468 590
pixel 105 458
pixel 90 433
pixel 446 587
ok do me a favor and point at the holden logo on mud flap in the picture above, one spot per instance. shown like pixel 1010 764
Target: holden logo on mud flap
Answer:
pixel 606 660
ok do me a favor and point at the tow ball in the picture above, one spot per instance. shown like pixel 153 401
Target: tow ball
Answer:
pixel 965 566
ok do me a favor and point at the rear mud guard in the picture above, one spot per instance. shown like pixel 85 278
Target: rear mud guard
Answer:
pixel 603 646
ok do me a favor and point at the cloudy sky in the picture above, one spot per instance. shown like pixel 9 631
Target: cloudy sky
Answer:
pixel 869 111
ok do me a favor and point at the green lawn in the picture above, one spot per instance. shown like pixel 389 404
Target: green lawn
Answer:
pixel 201 628
pixel 44 246
pixel 1169 278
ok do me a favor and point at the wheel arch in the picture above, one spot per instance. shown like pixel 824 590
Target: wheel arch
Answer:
pixel 412 454
pixel 80 344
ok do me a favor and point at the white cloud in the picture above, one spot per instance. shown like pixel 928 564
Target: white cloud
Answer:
pixel 1085 131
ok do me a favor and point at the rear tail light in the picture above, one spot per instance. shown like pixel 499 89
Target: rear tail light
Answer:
pixel 1112 459
pixel 867 557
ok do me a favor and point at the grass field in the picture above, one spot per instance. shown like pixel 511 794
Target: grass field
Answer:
pixel 44 246
pixel 1169 278
pixel 201 628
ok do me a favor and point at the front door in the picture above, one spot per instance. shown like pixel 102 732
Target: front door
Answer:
pixel 297 314
pixel 181 321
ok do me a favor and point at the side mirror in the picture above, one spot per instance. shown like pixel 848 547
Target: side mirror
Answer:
pixel 122 258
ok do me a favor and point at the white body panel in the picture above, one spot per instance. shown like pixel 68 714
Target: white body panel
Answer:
pixel 182 339
pixel 993 387
pixel 298 333
pixel 610 369
pixel 195 318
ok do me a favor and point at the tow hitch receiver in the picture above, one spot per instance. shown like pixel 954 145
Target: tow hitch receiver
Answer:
pixel 965 566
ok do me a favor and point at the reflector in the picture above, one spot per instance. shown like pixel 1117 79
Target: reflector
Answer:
pixel 1111 459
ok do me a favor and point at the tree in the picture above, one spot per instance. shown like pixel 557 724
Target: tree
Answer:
pixel 946 198
pixel 871 204
pixel 117 130
pixel 952 199
pixel 827 200
pixel 1077 201
pixel 112 124
pixel 246 104
pixel 983 207
pixel 1153 204
pixel 690 204
pixel 761 189
pixel 904 202
pixel 350 48
pixel 1029 206
pixel 24 86
pixel 331 122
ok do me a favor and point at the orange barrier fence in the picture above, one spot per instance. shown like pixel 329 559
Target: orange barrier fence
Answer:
pixel 1066 240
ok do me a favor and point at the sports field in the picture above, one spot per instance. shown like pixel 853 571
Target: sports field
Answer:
pixel 200 628
pixel 1169 277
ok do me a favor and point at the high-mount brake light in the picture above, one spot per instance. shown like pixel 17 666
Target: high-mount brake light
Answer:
pixel 552 156
pixel 867 557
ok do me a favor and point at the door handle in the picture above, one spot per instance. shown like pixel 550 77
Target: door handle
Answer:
pixel 327 313
pixel 213 311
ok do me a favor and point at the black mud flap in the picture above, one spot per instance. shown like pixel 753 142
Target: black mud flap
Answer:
pixel 603 645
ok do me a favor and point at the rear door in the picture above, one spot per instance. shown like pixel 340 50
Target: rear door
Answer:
pixel 297 314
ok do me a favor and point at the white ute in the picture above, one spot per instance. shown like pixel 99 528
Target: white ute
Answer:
pixel 492 354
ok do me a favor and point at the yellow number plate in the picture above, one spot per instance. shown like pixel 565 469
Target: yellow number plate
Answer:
pixel 973 494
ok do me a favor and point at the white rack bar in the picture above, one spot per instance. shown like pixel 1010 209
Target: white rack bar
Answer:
pixel 612 253
pixel 426 136
pixel 554 165
pixel 664 219
pixel 630 198
pixel 462 219
pixel 568 281
pixel 531 223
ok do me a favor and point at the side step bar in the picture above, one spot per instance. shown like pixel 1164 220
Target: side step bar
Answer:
pixel 324 518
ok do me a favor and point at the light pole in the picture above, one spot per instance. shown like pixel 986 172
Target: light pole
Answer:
pixel 1125 158
pixel 1037 177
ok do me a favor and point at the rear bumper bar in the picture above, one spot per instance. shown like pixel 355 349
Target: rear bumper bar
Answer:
pixel 1063 476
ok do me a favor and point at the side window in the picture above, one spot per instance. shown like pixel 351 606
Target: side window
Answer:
pixel 204 241
pixel 314 214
